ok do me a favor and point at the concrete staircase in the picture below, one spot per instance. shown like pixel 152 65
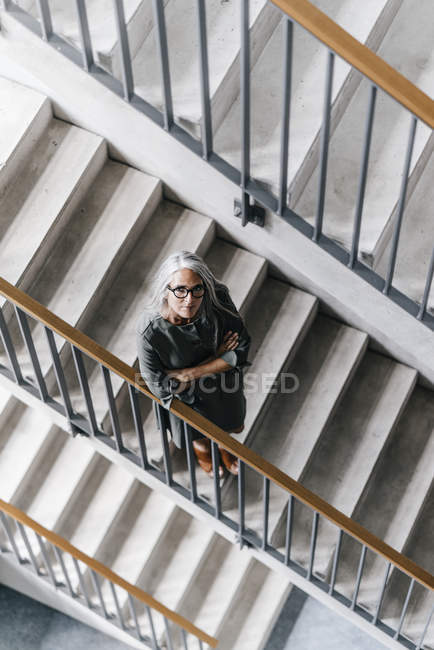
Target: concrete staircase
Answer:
pixel 86 243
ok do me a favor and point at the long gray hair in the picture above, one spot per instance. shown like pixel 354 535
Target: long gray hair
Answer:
pixel 185 260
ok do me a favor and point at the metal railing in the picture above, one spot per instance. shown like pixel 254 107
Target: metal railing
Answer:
pixel 275 531
pixel 89 582
pixel 338 42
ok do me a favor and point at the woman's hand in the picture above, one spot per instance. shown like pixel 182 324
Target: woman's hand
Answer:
pixel 183 375
pixel 230 342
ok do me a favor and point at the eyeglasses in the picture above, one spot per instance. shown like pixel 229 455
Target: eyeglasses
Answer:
pixel 182 292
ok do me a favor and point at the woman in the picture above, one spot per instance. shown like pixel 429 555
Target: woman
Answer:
pixel 192 345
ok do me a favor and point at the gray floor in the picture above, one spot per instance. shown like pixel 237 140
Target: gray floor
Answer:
pixel 304 624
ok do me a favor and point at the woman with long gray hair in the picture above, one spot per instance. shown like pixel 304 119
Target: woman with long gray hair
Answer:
pixel 192 345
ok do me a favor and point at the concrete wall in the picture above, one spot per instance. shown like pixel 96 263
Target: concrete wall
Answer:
pixel 133 138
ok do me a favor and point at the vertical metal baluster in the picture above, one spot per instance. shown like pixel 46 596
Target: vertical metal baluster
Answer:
pixel 241 500
pixel 380 599
pixel 245 108
pixel 206 123
pixel 152 628
pixel 362 178
pixel 325 137
pixel 127 69
pixel 97 587
pixel 165 445
pixel 200 644
pixel 117 606
pixel 404 609
pixel 289 520
pixel 47 560
pixel 81 581
pixel 266 504
pixel 190 462
pixel 134 615
pixel 58 371
pixel 400 210
pixel 428 283
pixel 359 576
pixel 45 16
pixel 335 562
pixel 114 417
pixel 84 385
pixel 59 557
pixel 425 629
pixel 86 42
pixel 215 469
pixel 27 336
pixel 313 539
pixel 28 547
pixel 10 350
pixel 138 425
pixel 164 62
pixel 168 635
pixel 288 30
pixel 184 639
pixel 10 536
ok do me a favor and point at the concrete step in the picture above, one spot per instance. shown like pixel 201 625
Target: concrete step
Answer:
pixel 87 259
pixel 25 116
pixel 293 425
pixel 40 201
pixel 393 502
pixel 57 485
pixel 96 509
pixel 223 37
pixel 26 439
pixel 285 317
pixel 253 616
pixel 389 142
pixel 417 236
pixel 350 453
pixel 139 534
pixel 102 26
pixel 173 569
pixel 308 70
pixel 217 587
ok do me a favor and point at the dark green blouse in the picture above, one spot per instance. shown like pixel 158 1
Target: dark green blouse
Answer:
pixel 162 345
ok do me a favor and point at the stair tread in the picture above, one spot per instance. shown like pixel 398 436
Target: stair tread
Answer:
pixel 278 339
pixel 23 442
pixel 60 483
pixel 41 192
pixel 226 578
pixel 360 430
pixel 266 591
pixel 311 414
pixel 20 107
pixel 183 561
pixel 182 34
pixel 389 140
pixel 308 71
pixel 100 509
pixel 144 535
pixel 241 270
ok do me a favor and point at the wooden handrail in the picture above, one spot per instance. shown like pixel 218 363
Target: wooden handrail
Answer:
pixel 105 572
pixel 360 57
pixel 212 431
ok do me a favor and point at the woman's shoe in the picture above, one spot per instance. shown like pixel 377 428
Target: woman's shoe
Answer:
pixel 230 461
pixel 202 450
